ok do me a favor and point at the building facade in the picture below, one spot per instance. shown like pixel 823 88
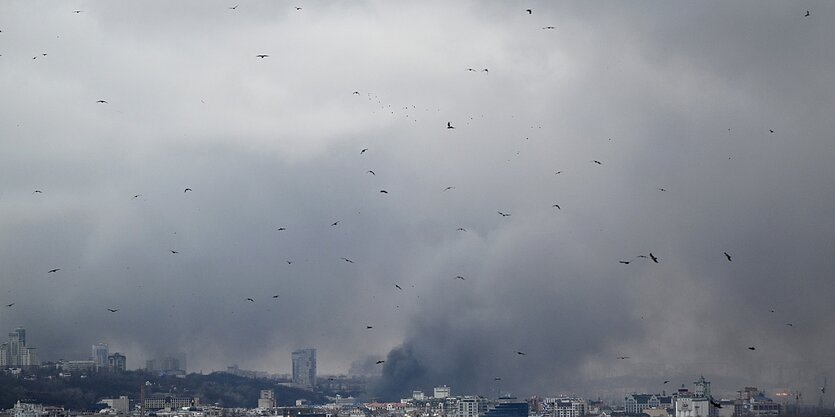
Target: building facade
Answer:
pixel 117 362
pixel 100 354
pixel 304 367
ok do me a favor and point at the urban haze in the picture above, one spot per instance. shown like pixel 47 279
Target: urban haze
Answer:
pixel 586 198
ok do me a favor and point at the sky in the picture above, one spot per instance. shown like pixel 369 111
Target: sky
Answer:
pixel 602 131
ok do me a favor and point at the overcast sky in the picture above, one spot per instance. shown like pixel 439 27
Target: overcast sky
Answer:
pixel 712 125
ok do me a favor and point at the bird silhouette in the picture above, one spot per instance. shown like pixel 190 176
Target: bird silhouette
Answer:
pixel 347 260
pixel 666 381
pixel 187 190
pixel 77 11
pixel 384 191
pixel 379 362
pixel 662 189
pixel 485 70
pixel 548 28
pixel 597 162
pixel 356 92
pixel 529 11
pixel 53 270
pixel 623 357
pixel 102 101
pixel 751 348
pixel 371 172
pixel 289 262
pixel 625 262
pixel 335 223
pixel 728 256
pixel 653 257
pixel 363 151
pixel 807 14
pixel 262 56
pixel 275 296
pixel 136 196
pixel 37 192
pixel 369 327
pixel 449 188
pixel 298 8
pixel 460 229
pixel 770 130
pixel 174 251
pixel 281 229
pixel 398 287
pixel 557 206
pixel 112 310
pixel 233 7
pixel 521 353
pixel 558 173
pixel 9 305
pixel 250 299
pixel 449 125
pixel 790 324
pixel 504 214
pixel 714 402
pixel 459 277
pixel 497 379
pixel 471 69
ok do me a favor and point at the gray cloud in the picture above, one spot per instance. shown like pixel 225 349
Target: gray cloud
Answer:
pixel 680 98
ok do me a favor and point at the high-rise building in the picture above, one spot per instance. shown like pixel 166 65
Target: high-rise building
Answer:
pixel 16 353
pixel 100 353
pixel 304 367
pixel 116 362
pixel 442 392
pixel 471 406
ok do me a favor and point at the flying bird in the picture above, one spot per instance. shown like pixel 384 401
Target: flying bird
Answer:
pixel 548 28
pixel 728 256
pixel 363 151
pixel 807 14
pixel 623 357
pixel 449 125
pixel 597 162
pixel 102 101
pixel 653 257
pixel 384 191
pixel 174 251
pixel 136 196
pixel 298 8
pixel 558 173
pixel 233 7
pixel 460 229
pixel 625 262
pixel 37 192
pixel 504 214
pixel 485 70
pixel 714 403
pixel 112 310
pixel 379 362
pixel 281 229
pixel 289 262
pixel 459 277
pixel 371 172
pixel 662 189
pixel 356 92
pixel 449 188
pixel 557 206
pixel 250 299
pixel 789 324
pixel 771 130
pixel 187 190
pixel 335 223
pixel 347 260
pixel 77 11
pixel 497 379
pixel 262 56
pixel 751 348
pixel 369 327
pixel 398 287
pixel 529 11
pixel 666 381
pixel 275 296
pixel 9 305
pixel 53 270
pixel 521 353
pixel 471 69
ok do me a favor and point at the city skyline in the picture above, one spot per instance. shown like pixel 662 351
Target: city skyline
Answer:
pixel 576 195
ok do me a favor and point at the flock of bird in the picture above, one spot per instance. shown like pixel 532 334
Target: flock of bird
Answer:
pixel 650 256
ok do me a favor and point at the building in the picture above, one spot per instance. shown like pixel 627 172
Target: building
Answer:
pixel 120 405
pixel 751 402
pixel 508 407
pixel 167 365
pixel 636 403
pixel 565 407
pixel 15 353
pixel 168 402
pixel 304 367
pixel 117 362
pixel 442 392
pixel 267 399
pixel 77 366
pixel 100 354
pixel 472 406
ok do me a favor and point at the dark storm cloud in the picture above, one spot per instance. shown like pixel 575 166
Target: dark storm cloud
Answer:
pixel 675 97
